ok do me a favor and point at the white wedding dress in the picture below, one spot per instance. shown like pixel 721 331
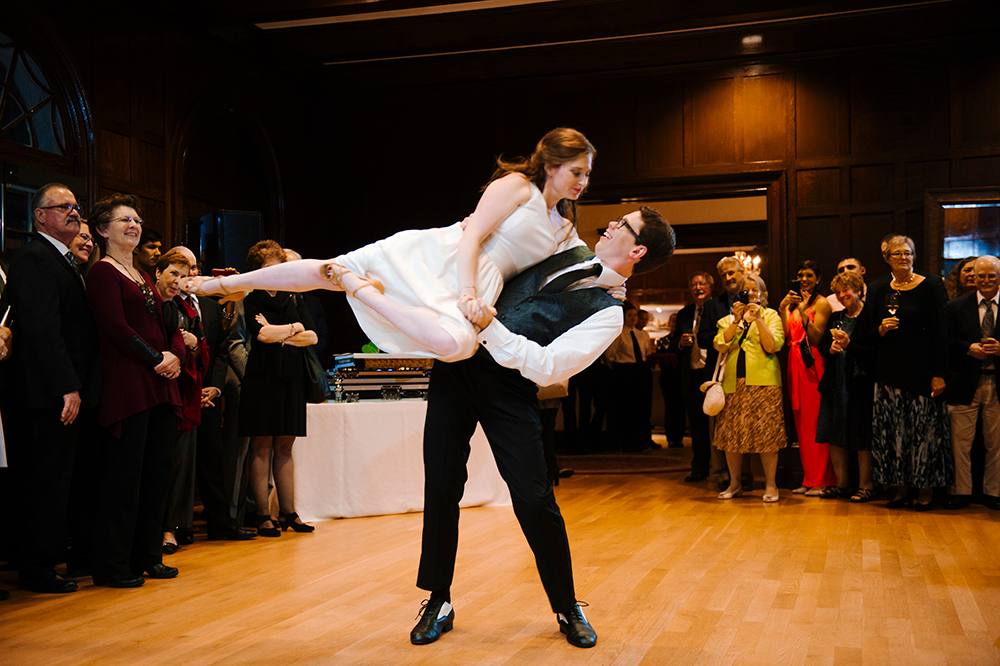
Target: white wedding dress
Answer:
pixel 418 267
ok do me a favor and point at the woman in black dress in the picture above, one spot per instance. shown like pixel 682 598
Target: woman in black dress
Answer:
pixel 911 442
pixel 847 387
pixel 273 399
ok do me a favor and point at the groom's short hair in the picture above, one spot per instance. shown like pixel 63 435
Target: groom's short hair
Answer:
pixel 658 237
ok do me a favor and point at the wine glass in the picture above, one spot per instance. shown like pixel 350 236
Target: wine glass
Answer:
pixel 892 302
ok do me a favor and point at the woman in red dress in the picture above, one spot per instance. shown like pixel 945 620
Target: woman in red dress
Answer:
pixel 804 314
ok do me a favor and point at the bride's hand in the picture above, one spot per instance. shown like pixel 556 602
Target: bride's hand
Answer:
pixel 466 304
pixel 481 314
pixel 619 293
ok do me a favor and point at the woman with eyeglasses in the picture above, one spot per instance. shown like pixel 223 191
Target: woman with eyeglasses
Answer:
pixel 752 420
pixel 140 402
pixel 962 278
pixel 904 320
pixel 84 250
pixel 412 292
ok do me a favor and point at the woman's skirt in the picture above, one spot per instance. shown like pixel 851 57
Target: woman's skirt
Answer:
pixel 752 420
pixel 911 439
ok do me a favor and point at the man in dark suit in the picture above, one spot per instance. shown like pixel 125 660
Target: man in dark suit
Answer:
pixel 54 375
pixel 973 353
pixel 554 320
pixel 697 355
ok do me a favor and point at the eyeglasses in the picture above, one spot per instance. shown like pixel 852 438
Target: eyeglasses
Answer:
pixel 86 238
pixel 621 222
pixel 66 208
pixel 128 220
pixel 900 253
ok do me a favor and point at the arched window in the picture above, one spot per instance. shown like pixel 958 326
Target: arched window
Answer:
pixel 30 113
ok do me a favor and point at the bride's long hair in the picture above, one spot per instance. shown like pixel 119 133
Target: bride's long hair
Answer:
pixel 557 147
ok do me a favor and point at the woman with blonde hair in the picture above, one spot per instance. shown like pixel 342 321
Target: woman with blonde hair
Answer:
pixel 753 419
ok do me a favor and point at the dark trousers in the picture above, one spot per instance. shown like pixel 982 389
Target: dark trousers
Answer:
pixel 674 404
pixel 40 452
pixel 701 440
pixel 83 490
pixel 179 513
pixel 222 462
pixel 135 476
pixel 461 395
pixel 585 407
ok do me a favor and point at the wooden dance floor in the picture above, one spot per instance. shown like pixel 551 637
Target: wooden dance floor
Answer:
pixel 672 576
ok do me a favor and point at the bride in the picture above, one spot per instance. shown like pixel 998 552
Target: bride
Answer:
pixel 413 292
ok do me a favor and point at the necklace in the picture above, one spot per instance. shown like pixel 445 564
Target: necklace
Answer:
pixel 902 284
pixel 147 293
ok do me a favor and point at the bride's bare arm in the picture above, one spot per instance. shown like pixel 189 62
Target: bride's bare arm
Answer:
pixel 499 200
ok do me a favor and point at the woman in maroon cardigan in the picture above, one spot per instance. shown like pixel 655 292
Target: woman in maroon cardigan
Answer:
pixel 139 403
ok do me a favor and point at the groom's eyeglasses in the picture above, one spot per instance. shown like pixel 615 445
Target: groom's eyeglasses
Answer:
pixel 621 222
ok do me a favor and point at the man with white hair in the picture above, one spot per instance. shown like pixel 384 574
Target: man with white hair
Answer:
pixel 973 353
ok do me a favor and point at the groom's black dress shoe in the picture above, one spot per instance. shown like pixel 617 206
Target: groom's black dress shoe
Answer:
pixel 159 570
pixel 430 627
pixel 47 583
pixel 578 631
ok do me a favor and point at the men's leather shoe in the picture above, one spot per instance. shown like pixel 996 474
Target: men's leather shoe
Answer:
pixel 4 595
pixel 957 502
pixel 694 478
pixel 566 472
pixel 46 583
pixel 119 580
pixel 436 617
pixel 578 631
pixel 231 534
pixel 992 502
pixel 162 571
pixel 185 536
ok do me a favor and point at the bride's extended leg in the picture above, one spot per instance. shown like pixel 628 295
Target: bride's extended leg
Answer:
pixel 421 324
pixel 302 275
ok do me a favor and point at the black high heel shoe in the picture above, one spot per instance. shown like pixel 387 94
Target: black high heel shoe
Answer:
pixel 904 501
pixel 272 531
pixel 286 520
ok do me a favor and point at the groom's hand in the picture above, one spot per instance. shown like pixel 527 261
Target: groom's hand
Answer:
pixel 481 313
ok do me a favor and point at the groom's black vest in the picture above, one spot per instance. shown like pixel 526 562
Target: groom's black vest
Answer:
pixel 544 317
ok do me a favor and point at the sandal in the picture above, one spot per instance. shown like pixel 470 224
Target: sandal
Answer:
pixel 330 272
pixel 834 492
pixel 196 286
pixel 863 495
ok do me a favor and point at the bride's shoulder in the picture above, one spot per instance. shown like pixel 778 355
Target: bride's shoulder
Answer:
pixel 511 186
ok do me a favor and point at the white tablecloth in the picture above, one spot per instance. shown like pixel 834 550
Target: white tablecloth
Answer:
pixel 366 459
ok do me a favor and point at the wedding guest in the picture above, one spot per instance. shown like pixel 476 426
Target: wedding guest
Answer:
pixel 752 420
pixel 804 313
pixel 147 253
pixel 962 278
pixel 273 401
pixel 632 384
pixel 52 375
pixel 972 386
pixel 845 411
pixel 140 403
pixel 692 342
pixel 911 443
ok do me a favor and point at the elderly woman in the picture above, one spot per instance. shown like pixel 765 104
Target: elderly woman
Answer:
pixel 904 322
pixel 961 279
pixel 845 411
pixel 752 420
pixel 140 400
pixel 171 270
pixel 804 314
pixel 273 400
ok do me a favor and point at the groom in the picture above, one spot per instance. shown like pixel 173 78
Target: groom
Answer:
pixel 554 320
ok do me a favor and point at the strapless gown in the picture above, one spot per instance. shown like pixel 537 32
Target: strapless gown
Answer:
pixel 418 267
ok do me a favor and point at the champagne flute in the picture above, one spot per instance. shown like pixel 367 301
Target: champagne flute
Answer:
pixel 892 302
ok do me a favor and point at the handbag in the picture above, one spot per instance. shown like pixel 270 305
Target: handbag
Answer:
pixel 715 397
pixel 807 356
pixel 317 386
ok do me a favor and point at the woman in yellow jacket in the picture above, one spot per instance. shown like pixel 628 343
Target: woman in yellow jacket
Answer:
pixel 752 420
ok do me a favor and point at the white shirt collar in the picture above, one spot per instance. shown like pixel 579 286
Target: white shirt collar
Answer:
pixel 980 299
pixel 59 245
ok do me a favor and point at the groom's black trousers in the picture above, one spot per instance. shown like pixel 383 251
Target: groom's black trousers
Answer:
pixel 461 395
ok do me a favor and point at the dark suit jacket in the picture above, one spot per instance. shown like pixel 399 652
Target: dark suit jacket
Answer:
pixel 56 337
pixel 711 313
pixel 964 371
pixel 218 342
